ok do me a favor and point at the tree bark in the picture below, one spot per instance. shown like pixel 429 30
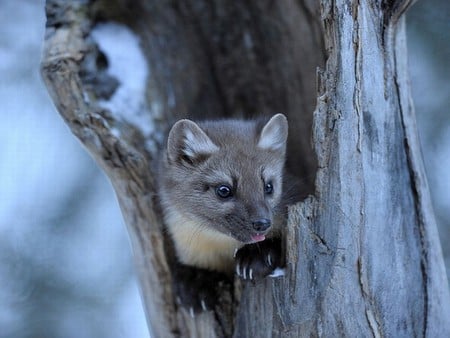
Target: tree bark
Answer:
pixel 363 254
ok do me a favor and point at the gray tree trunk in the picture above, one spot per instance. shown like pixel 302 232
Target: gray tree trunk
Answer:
pixel 363 254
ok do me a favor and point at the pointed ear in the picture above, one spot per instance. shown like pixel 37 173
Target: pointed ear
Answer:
pixel 274 134
pixel 187 142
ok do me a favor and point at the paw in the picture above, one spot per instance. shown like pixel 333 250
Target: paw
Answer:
pixel 256 261
pixel 197 290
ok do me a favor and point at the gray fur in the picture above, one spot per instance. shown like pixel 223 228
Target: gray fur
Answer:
pixel 201 156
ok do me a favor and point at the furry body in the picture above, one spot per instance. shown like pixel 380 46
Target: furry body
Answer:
pixel 220 187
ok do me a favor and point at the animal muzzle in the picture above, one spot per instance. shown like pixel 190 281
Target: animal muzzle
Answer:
pixel 261 225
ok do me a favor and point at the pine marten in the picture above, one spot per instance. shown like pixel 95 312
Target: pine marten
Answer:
pixel 220 190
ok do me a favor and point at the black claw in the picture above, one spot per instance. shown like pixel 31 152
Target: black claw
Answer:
pixel 256 261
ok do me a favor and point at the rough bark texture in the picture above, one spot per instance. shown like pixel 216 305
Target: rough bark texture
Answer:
pixel 363 252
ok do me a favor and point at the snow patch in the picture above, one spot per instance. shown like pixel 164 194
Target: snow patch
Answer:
pixel 126 62
pixel 278 272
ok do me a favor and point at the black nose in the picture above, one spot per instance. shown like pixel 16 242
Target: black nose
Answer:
pixel 261 225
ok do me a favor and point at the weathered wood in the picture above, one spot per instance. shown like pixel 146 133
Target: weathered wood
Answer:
pixel 363 256
pixel 365 249
pixel 127 167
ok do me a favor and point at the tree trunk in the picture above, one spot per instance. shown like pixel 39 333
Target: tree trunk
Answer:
pixel 363 255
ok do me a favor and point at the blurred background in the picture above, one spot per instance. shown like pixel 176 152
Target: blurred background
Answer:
pixel 65 260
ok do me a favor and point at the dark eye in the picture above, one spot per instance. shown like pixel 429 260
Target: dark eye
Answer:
pixel 224 191
pixel 268 188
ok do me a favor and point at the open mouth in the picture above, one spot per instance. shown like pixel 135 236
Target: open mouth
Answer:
pixel 248 237
pixel 257 238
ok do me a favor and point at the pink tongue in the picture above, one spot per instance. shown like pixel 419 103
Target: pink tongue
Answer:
pixel 258 238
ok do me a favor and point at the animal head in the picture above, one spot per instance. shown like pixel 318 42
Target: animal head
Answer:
pixel 226 176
